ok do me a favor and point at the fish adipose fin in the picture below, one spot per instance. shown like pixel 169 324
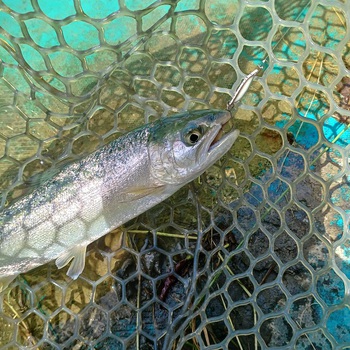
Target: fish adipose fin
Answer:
pixel 5 281
pixel 77 265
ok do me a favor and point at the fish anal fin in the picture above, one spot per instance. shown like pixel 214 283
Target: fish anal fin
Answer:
pixel 77 254
pixel 5 281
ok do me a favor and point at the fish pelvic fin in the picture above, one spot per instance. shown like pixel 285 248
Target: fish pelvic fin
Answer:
pixel 77 254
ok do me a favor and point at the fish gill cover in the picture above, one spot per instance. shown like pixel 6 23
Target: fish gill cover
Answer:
pixel 252 255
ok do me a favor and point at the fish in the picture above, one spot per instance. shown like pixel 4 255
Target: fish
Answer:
pixel 89 197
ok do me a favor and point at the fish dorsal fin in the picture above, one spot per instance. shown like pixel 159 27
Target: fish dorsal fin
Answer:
pixel 77 265
pixel 38 179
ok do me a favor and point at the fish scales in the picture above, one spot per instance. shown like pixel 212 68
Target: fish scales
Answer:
pixel 80 193
pixel 88 198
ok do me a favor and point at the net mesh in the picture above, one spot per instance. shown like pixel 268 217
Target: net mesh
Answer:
pixel 255 253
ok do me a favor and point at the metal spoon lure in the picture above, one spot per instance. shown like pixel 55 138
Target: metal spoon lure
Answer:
pixel 244 86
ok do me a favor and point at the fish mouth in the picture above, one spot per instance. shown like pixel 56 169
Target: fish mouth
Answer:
pixel 224 131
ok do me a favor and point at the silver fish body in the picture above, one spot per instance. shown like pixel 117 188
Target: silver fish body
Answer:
pixel 88 198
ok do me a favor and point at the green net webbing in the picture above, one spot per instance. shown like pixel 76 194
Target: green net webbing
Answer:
pixel 255 253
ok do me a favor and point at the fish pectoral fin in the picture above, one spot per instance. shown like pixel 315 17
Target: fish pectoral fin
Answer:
pixel 77 265
pixel 135 193
pixel 5 281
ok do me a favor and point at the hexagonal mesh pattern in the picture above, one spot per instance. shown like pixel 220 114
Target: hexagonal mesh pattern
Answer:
pixel 252 255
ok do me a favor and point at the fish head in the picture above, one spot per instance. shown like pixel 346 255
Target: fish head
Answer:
pixel 182 147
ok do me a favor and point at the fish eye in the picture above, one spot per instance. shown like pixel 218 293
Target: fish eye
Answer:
pixel 193 136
